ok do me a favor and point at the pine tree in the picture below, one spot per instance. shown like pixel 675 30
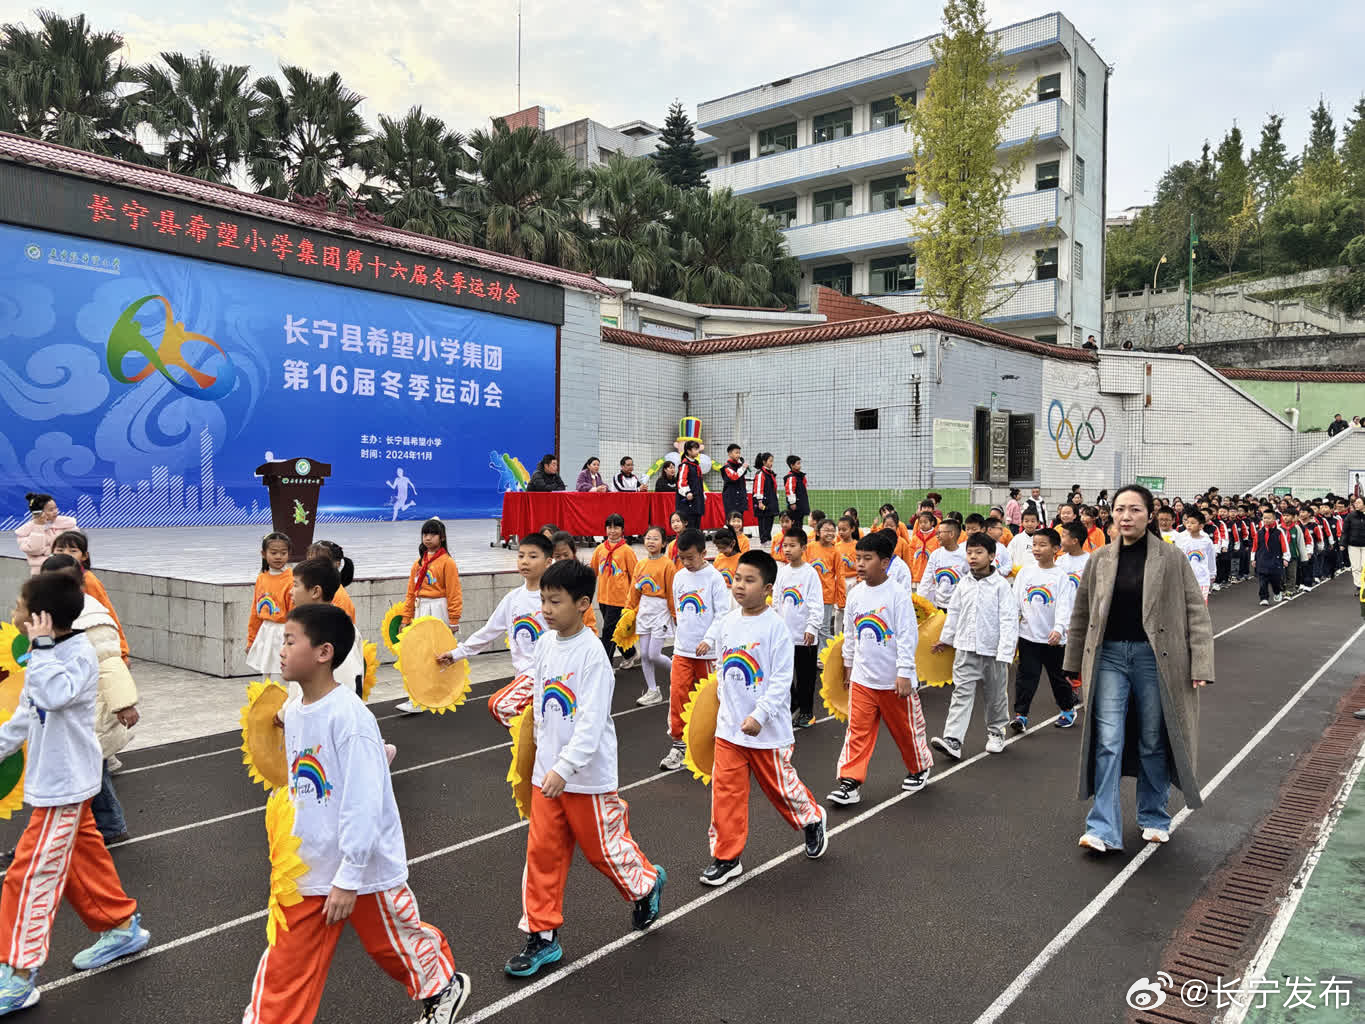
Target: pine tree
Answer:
pixel 1270 166
pixel 956 128
pixel 1322 174
pixel 1353 150
pixel 1230 176
pixel 679 158
pixel 1322 136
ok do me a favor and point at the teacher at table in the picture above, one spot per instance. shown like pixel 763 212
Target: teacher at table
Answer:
pixel 546 477
pixel 1141 638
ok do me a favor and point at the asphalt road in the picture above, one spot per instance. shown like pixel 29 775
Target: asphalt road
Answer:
pixel 926 908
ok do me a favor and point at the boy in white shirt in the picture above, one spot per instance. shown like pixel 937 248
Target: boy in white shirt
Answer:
pixel 574 801
pixel 1004 564
pixel 1042 637
pixel 1198 548
pixel 63 769
pixel 518 618
pixel 352 842
pixel 700 598
pixel 946 567
pixel 753 727
pixel 983 625
pixel 799 598
pixel 1021 547
pixel 880 637
pixel 1073 561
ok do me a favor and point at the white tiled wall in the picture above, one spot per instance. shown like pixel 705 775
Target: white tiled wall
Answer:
pixel 580 377
pixel 1075 388
pixel 641 401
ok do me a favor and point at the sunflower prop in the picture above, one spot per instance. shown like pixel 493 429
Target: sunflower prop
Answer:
pixel 11 775
pixel 833 678
pixel 523 730
pixel 263 740
pixel 286 867
pixel 924 610
pixel 13 645
pixel 699 729
pixel 391 627
pixel 429 684
pixel 934 669
pixel 371 670
pixel 624 636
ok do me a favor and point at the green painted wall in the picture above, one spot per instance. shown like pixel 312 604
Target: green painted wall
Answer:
pixel 1317 403
pixel 833 503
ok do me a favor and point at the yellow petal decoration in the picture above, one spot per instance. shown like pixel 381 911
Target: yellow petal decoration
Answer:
pixel 523 730
pixel 833 692
pixel 371 670
pixel 934 669
pixel 699 729
pixel 391 626
pixel 286 867
pixel 263 740
pixel 12 775
pixel 11 671
pixel 924 610
pixel 624 635
pixel 430 685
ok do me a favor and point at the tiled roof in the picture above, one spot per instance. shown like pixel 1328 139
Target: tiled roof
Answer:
pixel 102 168
pixel 866 327
pixel 1304 376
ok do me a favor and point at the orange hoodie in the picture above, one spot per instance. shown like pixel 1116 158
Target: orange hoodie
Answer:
pixel 1094 540
pixel 921 545
pixel 270 602
pixel 95 589
pixel 653 577
pixel 343 601
pixel 441 578
pixel 614 564
pixel 824 559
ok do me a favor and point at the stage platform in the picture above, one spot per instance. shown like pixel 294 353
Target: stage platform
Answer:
pixel 184 593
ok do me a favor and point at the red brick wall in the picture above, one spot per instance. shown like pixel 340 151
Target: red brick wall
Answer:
pixel 837 306
pixel 531 117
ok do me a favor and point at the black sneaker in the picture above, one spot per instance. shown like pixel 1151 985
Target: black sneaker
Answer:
pixel 122 837
pixel 1019 724
pixel 445 1006
pixel 846 793
pixel 816 839
pixel 646 910
pixel 537 953
pixel 915 781
pixel 803 720
pixel 950 746
pixel 718 872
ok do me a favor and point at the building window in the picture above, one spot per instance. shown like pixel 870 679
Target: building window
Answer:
pixel 1049 87
pixel 837 124
pixel 891 274
pixel 709 162
pixel 1047 175
pixel 839 277
pixel 1046 262
pixel 1080 176
pixel 833 204
pixel 889 193
pixel 1021 447
pixel 1080 88
pixel 738 156
pixel 777 140
pixel 782 211
pixel 1075 337
pixel 864 419
pixel 887 112
pixel 1078 262
pixel 1046 339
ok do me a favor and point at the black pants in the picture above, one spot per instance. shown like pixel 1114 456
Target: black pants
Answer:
pixel 690 522
pixel 1033 658
pixel 806 669
pixel 611 615
pixel 1223 561
pixel 1272 579
pixel 765 527
pixel 1306 578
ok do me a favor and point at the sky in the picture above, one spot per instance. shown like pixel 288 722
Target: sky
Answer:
pixel 1184 70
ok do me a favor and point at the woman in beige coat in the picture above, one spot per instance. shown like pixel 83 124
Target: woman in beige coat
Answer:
pixel 1142 640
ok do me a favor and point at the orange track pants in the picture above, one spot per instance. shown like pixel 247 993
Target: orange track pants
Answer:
pixel 867 709
pixel 685 676
pixel 777 778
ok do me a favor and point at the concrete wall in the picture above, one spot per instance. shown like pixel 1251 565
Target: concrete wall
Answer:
pixel 580 380
pixel 1315 352
pixel 640 401
pixel 1333 471
pixel 1316 402
pixel 1081 430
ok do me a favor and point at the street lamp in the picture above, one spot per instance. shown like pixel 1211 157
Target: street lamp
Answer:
pixel 1157 270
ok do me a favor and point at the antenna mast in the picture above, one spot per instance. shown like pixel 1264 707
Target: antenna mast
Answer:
pixel 518 54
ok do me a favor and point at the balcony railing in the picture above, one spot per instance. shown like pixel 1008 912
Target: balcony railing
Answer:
pixel 1031 301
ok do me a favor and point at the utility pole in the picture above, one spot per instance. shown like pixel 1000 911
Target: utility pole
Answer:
pixel 518 54
pixel 1189 291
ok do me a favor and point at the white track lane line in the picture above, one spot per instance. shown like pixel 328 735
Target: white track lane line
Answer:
pixel 1091 910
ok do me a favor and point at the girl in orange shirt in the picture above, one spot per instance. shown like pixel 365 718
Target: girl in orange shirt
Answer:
pixel 434 581
pixel 675 527
pixel 901 531
pixel 923 542
pixel 270 605
pixel 564 549
pixel 651 595
pixel 785 521
pixel 614 563
pixel 330 551
pixel 77 545
pixel 823 557
pixel 736 524
pixel 727 555
pixel 891 521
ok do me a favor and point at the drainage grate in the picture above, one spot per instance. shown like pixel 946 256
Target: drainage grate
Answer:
pixel 1223 929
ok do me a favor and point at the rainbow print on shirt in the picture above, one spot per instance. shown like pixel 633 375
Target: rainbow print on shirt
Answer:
pixel 728 576
pixel 819 566
pixel 692 600
pixel 848 562
pixel 947 574
pixel 557 692
pixel 1196 556
pixel 608 567
pixel 265 605
pixel 1039 593
pixel 528 625
pixel 1074 578
pixel 876 624
pixel 794 596
pixel 430 579
pixel 306 775
pixel 744 663
pixel 648 587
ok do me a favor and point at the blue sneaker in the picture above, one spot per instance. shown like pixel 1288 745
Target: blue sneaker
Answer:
pixel 111 945
pixel 1066 720
pixel 537 954
pixel 17 993
pixel 646 910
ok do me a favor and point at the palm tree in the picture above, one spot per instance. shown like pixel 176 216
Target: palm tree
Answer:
pixel 63 83
pixel 209 115
pixel 416 161
pixel 729 252
pixel 312 132
pixel 631 201
pixel 526 196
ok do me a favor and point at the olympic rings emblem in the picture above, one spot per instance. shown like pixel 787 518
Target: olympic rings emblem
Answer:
pixel 1071 434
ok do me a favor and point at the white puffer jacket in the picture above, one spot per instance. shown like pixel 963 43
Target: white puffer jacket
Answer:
pixel 117 689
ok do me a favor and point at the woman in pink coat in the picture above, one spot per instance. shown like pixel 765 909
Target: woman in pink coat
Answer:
pixel 36 536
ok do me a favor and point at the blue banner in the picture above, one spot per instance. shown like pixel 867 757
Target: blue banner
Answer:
pixel 144 389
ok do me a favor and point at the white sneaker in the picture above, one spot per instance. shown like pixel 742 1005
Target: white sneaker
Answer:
pixel 408 708
pixel 1279 597
pixel 673 760
pixel 113 763
pixel 1265 604
pixel 1155 835
pixel 649 698
pixel 995 743
pixel 1095 843
pixel 632 662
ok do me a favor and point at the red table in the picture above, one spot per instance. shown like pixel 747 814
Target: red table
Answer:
pixel 583 513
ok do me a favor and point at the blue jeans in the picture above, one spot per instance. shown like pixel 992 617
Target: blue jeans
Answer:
pixel 107 810
pixel 1127 671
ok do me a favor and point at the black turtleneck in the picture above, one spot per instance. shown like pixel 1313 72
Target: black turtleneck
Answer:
pixel 1125 608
